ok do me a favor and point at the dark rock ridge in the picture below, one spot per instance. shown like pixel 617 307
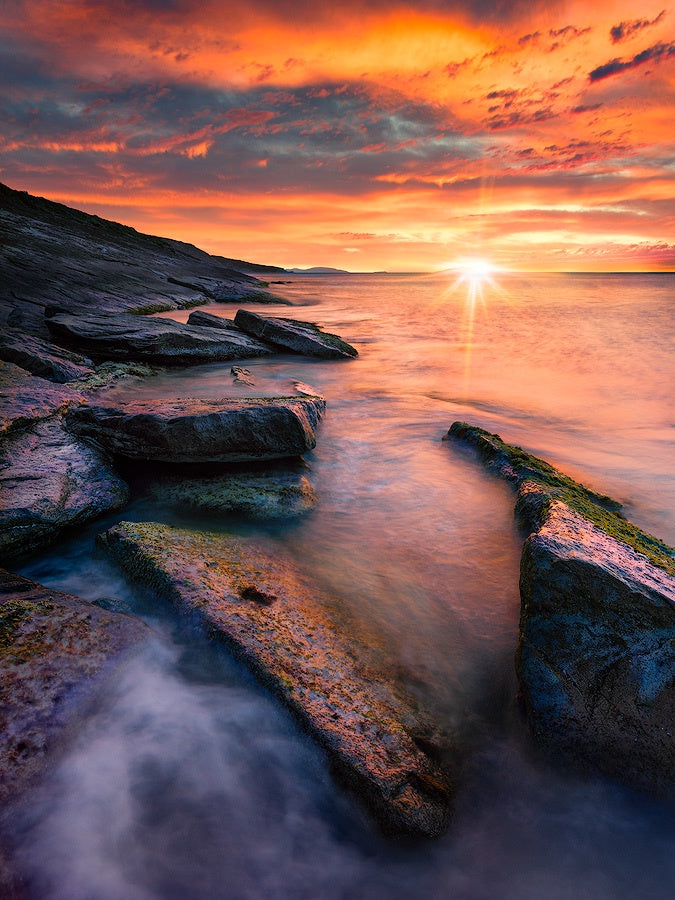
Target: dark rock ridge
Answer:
pixel 596 654
pixel 156 340
pixel 42 358
pixel 248 595
pixel 50 253
pixel 56 651
pixel 293 335
pixel 26 399
pixel 50 481
pixel 203 430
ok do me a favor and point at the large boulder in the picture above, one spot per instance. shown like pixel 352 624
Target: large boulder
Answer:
pixel 203 430
pixel 596 654
pixel 201 319
pixel 26 399
pixel 43 358
pixel 50 481
pixel 249 595
pixel 293 335
pixel 155 340
pixel 56 651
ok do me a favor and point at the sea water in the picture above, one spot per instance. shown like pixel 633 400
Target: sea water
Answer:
pixel 189 780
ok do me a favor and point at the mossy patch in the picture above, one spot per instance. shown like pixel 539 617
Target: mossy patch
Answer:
pixel 518 466
pixel 15 645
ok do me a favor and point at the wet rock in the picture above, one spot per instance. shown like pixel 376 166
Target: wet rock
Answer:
pixel 203 430
pixel 293 335
pixel 242 376
pixel 42 358
pixel 56 651
pixel 161 341
pixel 50 481
pixel 230 289
pixel 201 319
pixel 269 494
pixel 248 595
pixel 26 399
pixel 596 654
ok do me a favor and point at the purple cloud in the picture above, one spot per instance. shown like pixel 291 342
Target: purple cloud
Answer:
pixel 655 53
pixel 624 30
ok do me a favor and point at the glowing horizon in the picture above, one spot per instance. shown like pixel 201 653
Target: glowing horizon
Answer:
pixel 373 136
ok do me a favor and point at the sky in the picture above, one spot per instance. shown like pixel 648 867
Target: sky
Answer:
pixel 360 134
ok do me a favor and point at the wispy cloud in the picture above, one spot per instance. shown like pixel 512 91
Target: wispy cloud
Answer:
pixel 625 30
pixel 655 53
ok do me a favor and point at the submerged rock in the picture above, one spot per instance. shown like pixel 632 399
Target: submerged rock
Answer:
pixel 163 341
pixel 293 335
pixel 596 654
pixel 42 358
pixel 242 376
pixel 271 494
pixel 56 650
pixel 204 430
pixel 26 399
pixel 248 595
pixel 50 481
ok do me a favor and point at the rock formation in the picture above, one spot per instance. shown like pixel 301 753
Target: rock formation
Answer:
pixel 26 399
pixel 153 340
pixel 596 654
pixel 203 430
pixel 248 595
pixel 293 335
pixel 56 650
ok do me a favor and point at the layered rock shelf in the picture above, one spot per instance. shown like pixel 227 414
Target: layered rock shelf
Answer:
pixel 596 653
pixel 249 595
pixel 153 340
pixel 203 430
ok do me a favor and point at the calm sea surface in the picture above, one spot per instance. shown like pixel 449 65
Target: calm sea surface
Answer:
pixel 191 782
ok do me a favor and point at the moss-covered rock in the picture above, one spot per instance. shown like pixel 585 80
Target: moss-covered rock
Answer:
pixel 249 595
pixel 596 653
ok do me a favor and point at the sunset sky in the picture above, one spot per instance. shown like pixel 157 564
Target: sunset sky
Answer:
pixel 362 135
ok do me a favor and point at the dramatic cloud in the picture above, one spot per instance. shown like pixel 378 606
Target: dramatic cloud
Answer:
pixel 298 132
pixel 656 53
pixel 624 30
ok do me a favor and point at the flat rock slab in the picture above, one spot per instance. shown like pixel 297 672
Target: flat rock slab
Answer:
pixel 293 335
pixel 26 399
pixel 49 481
pixel 596 655
pixel 271 494
pixel 42 358
pixel 56 651
pixel 204 430
pixel 155 340
pixel 248 595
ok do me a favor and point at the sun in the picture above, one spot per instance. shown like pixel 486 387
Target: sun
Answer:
pixel 474 272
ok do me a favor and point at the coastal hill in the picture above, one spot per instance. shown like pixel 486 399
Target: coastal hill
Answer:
pixel 53 255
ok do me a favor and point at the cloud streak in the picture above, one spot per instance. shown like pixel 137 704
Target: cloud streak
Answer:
pixel 655 53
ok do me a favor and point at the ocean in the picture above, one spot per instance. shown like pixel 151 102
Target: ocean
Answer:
pixel 189 780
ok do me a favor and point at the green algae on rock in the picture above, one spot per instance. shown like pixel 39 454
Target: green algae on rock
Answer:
pixel 55 650
pixel 596 652
pixel 247 594
pixel 270 494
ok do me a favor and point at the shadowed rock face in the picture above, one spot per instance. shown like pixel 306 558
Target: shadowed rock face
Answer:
pixel 55 650
pixel 49 481
pixel 298 337
pixel 204 430
pixel 596 656
pixel 201 319
pixel 53 254
pixel 249 595
pixel 127 337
